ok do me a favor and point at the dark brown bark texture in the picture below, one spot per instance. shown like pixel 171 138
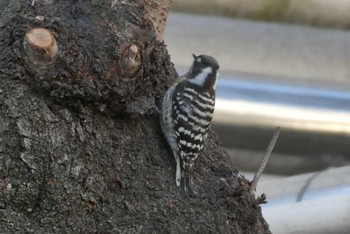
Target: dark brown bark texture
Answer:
pixel 80 151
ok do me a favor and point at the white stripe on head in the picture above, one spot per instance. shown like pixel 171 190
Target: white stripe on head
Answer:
pixel 201 77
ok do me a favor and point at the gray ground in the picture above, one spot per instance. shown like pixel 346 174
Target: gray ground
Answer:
pixel 288 51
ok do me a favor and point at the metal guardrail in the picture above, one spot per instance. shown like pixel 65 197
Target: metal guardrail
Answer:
pixel 315 118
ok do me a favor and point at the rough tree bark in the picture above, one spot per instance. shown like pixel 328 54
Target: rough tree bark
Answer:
pixel 79 150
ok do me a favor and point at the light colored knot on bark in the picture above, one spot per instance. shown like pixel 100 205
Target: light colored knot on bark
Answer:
pixel 40 46
pixel 130 62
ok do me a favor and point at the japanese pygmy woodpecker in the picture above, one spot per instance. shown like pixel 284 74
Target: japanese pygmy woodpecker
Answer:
pixel 187 111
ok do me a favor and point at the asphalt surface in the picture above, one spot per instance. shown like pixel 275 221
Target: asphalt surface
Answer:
pixel 290 52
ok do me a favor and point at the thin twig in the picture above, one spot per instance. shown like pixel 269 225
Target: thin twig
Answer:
pixel 264 160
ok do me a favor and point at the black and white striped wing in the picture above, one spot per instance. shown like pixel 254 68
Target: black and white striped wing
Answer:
pixel 192 114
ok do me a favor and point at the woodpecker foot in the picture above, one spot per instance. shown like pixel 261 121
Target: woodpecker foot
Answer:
pixel 189 191
pixel 188 185
pixel 154 112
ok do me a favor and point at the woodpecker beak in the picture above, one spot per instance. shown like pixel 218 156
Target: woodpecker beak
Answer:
pixel 194 56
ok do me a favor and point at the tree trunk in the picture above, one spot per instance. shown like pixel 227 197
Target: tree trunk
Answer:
pixel 80 150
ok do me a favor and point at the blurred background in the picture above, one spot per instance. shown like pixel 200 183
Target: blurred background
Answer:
pixel 283 63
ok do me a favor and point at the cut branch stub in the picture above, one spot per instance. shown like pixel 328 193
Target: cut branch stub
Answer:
pixel 130 62
pixel 41 47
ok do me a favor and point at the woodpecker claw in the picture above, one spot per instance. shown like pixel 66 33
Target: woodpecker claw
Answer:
pixel 188 190
pixel 188 185
pixel 155 109
pixel 191 192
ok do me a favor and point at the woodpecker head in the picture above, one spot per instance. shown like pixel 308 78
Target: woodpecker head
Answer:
pixel 204 72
